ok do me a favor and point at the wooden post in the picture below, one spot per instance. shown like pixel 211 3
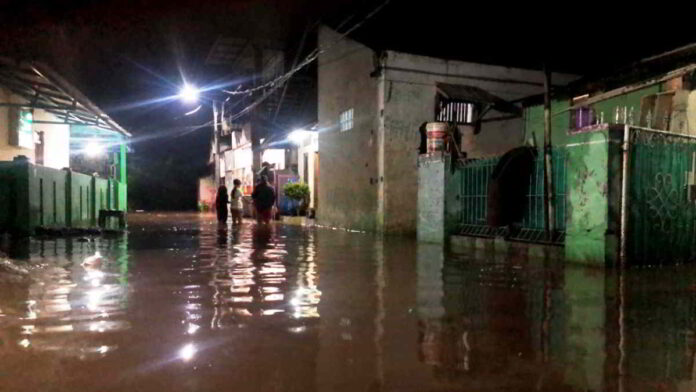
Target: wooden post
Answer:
pixel 548 160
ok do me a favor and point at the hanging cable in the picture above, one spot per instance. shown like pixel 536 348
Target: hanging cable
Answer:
pixel 280 80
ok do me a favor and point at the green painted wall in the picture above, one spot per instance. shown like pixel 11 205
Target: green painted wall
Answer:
pixel 630 100
pixel 560 120
pixel 46 197
pixel 534 123
pixel 33 196
pixel 594 178
pixel 15 215
pixel 80 200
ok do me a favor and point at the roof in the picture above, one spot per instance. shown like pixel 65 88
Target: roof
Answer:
pixel 43 88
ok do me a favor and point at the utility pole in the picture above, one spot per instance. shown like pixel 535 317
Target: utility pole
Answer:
pixel 548 160
pixel 255 131
pixel 216 145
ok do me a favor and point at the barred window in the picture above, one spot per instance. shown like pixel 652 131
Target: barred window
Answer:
pixel 346 120
pixel 455 111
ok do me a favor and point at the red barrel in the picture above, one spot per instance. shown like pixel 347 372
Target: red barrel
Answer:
pixel 437 135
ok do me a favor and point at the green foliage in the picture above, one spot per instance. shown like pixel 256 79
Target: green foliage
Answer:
pixel 297 191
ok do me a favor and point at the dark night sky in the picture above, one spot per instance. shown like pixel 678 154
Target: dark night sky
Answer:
pixel 121 53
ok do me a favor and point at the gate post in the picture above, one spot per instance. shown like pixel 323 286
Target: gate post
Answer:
pixel 438 198
pixel 594 231
pixel 625 152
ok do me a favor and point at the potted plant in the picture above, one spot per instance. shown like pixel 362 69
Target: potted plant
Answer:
pixel 299 192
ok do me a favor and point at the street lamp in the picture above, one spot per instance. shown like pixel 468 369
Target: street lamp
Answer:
pixel 188 93
pixel 93 149
pixel 298 136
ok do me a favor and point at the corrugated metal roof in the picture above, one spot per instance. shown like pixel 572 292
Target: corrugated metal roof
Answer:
pixel 43 88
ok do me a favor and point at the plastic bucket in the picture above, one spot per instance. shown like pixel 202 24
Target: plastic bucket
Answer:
pixel 437 135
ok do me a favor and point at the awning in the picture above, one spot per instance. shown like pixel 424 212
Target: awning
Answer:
pixel 42 88
pixel 477 95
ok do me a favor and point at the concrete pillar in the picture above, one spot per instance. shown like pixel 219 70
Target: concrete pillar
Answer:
pixel 438 198
pixel 594 197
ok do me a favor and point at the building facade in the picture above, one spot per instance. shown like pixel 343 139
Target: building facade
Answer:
pixel 622 164
pixel 371 107
pixel 62 159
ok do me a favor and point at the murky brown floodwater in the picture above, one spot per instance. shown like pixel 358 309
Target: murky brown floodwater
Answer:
pixel 177 306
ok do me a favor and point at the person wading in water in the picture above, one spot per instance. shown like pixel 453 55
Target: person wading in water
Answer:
pixel 236 205
pixel 221 202
pixel 264 199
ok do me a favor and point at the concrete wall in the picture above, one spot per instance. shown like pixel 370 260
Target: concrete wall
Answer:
pixel 348 164
pixel 33 196
pixel 431 199
pixel 594 197
pixel 46 197
pixel 439 205
pixel 82 208
pixel 409 101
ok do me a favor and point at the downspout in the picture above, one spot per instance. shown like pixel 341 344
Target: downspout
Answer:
pixel 548 160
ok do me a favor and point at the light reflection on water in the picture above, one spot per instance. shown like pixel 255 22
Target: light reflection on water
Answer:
pixel 178 304
pixel 66 294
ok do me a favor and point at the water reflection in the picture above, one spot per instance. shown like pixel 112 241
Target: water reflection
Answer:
pixel 70 290
pixel 179 304
pixel 254 275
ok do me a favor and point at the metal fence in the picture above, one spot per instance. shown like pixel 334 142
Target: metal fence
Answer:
pixel 661 197
pixel 474 180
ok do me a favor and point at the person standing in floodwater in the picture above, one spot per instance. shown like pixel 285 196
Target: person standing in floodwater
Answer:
pixel 221 202
pixel 236 205
pixel 264 199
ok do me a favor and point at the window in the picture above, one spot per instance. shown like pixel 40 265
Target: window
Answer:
pixel 583 116
pixel 455 111
pixel 346 120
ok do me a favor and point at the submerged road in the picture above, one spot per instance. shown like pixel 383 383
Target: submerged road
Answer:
pixel 177 305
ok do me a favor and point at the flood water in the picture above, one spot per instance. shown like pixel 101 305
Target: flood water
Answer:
pixel 176 305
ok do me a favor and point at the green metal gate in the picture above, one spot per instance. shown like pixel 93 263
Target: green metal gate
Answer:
pixel 661 208
pixel 475 176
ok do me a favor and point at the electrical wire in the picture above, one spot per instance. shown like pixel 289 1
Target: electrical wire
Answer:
pixel 278 82
pixel 311 57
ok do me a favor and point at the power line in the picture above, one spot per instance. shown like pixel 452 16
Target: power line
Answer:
pixel 282 79
pixel 278 82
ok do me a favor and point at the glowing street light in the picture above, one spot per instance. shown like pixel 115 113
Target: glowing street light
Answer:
pixel 298 136
pixel 93 149
pixel 189 93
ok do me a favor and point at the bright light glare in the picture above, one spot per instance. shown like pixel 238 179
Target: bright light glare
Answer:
pixel 187 352
pixel 93 149
pixel 188 93
pixel 298 136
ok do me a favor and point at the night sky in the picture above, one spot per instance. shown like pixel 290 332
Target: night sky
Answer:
pixel 126 54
